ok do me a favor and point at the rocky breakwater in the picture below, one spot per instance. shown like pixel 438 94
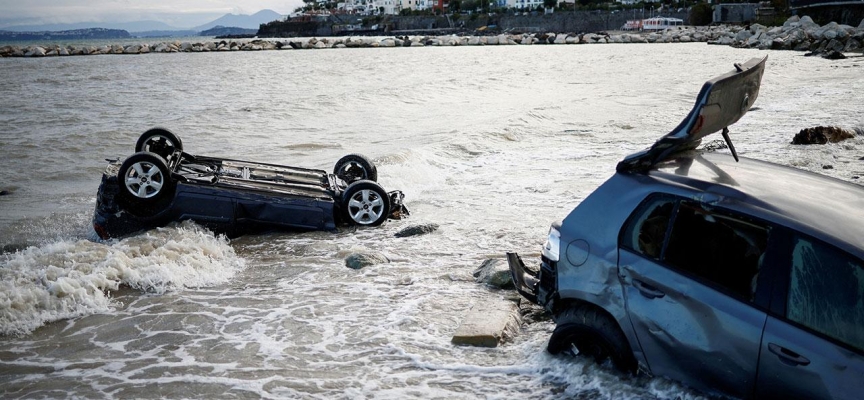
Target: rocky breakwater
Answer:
pixel 796 34
pixel 142 48
pixel 801 34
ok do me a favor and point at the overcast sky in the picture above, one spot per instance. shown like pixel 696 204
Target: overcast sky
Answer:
pixel 179 13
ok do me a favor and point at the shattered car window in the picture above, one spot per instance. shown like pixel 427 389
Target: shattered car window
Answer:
pixel 825 291
pixel 724 249
pixel 648 231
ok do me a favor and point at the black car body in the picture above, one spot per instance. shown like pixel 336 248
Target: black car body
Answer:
pixel 161 183
pixel 743 279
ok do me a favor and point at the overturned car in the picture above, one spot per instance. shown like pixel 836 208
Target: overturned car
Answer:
pixel 161 183
pixel 739 278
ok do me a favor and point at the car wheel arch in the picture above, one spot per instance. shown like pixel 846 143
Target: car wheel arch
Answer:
pixel 636 364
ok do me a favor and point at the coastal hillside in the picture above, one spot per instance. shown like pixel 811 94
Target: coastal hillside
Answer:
pixel 75 34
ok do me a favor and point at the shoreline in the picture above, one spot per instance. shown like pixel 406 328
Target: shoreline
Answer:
pixel 799 34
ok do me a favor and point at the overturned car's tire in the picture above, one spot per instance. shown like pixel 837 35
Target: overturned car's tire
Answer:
pixel 159 141
pixel 355 167
pixel 593 334
pixel 365 203
pixel 145 179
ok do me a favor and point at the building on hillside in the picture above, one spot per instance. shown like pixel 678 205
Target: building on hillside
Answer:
pixel 524 4
pixel 735 13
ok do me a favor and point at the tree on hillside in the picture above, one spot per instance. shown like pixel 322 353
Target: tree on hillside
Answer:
pixel 701 14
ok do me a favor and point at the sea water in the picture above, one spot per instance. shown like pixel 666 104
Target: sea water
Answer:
pixel 490 143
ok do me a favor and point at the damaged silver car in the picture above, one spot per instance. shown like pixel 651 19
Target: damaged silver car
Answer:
pixel 736 277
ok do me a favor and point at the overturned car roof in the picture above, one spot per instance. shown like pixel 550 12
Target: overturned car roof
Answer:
pixel 721 103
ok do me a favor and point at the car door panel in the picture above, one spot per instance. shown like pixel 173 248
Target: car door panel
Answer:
pixel 689 331
pixel 797 364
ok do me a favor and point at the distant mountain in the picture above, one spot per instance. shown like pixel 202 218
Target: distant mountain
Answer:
pixel 222 31
pixel 150 28
pixel 136 26
pixel 242 21
pixel 152 34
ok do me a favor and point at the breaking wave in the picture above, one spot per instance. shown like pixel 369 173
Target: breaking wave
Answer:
pixel 69 278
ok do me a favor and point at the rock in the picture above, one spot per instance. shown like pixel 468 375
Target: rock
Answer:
pixel 13 248
pixel 415 230
pixel 388 43
pixel 834 55
pixel 365 259
pixel 494 272
pixel 822 135
pixel 488 323
pixel 35 51
pixel 132 49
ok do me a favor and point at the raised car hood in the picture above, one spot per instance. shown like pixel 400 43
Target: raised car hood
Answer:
pixel 721 102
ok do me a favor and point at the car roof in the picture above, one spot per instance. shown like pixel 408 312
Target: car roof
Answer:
pixel 815 204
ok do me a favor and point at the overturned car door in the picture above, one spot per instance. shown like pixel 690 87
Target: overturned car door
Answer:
pixel 693 302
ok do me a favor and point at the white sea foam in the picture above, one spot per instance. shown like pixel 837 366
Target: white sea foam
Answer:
pixel 68 279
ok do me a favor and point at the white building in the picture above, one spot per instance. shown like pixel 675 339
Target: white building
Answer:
pixel 524 4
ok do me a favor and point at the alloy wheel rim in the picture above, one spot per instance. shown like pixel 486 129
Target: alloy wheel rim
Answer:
pixel 365 207
pixel 144 180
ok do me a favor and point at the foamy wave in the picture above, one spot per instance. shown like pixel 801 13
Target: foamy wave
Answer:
pixel 69 279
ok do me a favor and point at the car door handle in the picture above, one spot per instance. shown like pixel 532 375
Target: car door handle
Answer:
pixel 787 356
pixel 647 290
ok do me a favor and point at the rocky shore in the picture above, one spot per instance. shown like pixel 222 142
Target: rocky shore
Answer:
pixel 801 34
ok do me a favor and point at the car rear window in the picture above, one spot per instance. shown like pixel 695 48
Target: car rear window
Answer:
pixel 825 291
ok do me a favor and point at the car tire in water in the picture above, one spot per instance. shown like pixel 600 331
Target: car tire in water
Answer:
pixel 584 330
pixel 159 141
pixel 365 203
pixel 145 179
pixel 354 167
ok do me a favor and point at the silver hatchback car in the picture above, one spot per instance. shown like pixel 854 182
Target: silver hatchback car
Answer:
pixel 740 278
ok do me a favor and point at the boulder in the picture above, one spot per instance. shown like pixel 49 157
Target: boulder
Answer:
pixel 415 230
pixel 132 49
pixel 388 43
pixel 834 55
pixel 35 51
pixel 364 259
pixel 743 35
pixel 494 272
pixel 488 323
pixel 185 46
pixel 822 135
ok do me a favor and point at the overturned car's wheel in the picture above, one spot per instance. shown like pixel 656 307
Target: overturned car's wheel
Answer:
pixel 159 141
pixel 354 167
pixel 365 203
pixel 145 178
pixel 586 331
